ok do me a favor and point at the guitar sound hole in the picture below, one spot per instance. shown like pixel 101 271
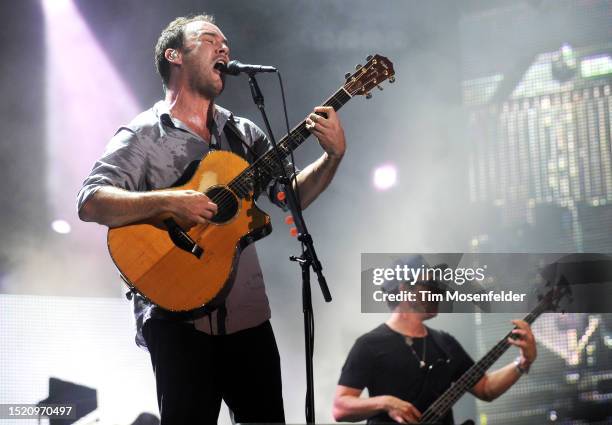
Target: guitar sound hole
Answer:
pixel 227 204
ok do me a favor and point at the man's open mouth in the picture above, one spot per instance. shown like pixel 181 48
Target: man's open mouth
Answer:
pixel 220 66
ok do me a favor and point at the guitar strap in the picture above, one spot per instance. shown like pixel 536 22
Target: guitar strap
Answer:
pixel 237 146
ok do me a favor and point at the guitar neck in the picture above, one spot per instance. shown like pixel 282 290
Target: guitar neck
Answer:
pixel 267 166
pixel 442 405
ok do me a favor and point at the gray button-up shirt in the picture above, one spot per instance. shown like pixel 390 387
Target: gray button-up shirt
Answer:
pixel 153 152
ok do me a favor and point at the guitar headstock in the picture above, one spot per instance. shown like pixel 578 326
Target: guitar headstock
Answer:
pixel 551 301
pixel 369 76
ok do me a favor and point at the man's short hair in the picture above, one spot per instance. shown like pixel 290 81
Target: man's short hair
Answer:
pixel 393 286
pixel 172 37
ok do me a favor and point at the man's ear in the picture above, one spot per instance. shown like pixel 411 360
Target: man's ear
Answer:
pixel 173 56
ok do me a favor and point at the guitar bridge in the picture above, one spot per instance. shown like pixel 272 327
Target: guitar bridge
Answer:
pixel 182 240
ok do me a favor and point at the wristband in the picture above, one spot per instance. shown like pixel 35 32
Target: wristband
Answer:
pixel 520 369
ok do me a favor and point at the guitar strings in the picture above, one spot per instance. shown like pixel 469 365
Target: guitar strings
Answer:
pixel 336 101
pixel 439 408
pixel 458 389
pixel 448 399
pixel 265 160
pixel 225 198
pixel 302 133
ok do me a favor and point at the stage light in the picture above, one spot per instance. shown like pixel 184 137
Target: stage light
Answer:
pixel 55 6
pixel 61 226
pixel 564 64
pixel 596 65
pixel 86 100
pixel 385 177
pixel 552 416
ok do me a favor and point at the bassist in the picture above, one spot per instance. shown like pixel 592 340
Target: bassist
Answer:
pixel 393 362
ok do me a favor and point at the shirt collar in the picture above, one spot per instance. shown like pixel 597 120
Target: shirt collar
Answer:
pixel 220 115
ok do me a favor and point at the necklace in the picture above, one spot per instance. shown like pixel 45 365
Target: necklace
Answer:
pixel 409 342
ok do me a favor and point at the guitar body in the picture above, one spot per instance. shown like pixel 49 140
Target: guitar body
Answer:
pixel 175 279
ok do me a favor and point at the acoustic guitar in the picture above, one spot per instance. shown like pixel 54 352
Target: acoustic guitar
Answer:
pixel 191 272
pixel 435 406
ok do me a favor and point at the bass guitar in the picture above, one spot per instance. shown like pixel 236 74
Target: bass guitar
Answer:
pixel 434 412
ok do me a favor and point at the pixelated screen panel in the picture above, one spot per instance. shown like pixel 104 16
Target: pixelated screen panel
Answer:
pixel 571 381
pixel 537 90
pixel 87 341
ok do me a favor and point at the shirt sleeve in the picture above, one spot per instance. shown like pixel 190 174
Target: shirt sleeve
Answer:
pixel 357 369
pixel 122 165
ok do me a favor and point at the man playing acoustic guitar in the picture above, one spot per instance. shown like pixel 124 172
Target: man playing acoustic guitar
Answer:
pixel 405 364
pixel 231 353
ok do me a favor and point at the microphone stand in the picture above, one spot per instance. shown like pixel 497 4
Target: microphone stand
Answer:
pixel 307 260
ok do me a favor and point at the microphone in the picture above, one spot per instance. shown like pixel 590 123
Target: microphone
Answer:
pixel 235 67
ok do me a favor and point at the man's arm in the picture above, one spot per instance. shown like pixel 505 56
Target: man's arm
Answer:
pixel 115 207
pixel 313 179
pixel 494 384
pixel 349 406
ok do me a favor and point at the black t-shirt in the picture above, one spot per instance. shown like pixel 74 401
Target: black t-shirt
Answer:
pixel 383 362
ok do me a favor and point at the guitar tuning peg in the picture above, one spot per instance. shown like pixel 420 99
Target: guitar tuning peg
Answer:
pixel 368 95
pixel 358 66
pixel 369 58
pixel 347 75
pixel 379 87
pixel 392 79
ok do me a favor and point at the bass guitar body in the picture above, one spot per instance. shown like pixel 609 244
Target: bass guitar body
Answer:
pixel 190 272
